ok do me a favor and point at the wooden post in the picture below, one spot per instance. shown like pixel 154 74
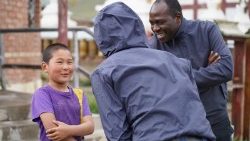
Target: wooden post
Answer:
pixel 238 88
pixel 62 21
pixel 247 93
pixel 241 87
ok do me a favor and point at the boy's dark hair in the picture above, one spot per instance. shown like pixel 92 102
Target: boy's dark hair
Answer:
pixel 48 52
pixel 173 6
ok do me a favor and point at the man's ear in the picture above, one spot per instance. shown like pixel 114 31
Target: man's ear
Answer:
pixel 44 67
pixel 178 17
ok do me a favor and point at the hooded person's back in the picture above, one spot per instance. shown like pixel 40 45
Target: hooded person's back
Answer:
pixel 142 94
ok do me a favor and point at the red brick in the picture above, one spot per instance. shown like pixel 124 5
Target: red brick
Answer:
pixel 14 14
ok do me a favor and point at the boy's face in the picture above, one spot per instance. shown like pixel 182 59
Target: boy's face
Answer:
pixel 60 67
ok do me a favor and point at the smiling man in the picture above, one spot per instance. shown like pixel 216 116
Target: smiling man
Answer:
pixel 202 43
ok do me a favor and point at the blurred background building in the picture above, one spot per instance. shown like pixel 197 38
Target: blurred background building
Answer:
pixel 19 47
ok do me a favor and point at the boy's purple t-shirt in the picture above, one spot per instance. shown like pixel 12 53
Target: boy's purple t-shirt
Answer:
pixel 64 105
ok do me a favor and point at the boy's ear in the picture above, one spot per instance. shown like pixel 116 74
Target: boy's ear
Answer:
pixel 44 67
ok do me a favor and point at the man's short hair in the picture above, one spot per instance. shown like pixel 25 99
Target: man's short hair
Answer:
pixel 173 6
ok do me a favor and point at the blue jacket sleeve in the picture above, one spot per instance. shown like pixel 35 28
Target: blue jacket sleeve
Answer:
pixel 219 72
pixel 112 112
pixel 191 75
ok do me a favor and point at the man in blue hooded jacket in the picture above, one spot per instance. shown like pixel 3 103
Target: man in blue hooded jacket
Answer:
pixel 194 40
pixel 143 94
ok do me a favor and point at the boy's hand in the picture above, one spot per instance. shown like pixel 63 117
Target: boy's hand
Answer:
pixel 58 133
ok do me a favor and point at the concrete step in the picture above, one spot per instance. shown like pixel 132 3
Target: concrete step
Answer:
pixel 15 123
pixel 97 121
pixel 26 130
pixel 23 130
pixel 14 113
pixel 14 106
pixel 98 134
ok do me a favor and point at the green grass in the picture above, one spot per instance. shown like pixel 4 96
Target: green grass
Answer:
pixel 85 82
pixel 86 85
pixel 92 103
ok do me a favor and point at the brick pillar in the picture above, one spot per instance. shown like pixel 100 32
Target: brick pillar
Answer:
pixel 62 21
pixel 22 48
pixel 37 13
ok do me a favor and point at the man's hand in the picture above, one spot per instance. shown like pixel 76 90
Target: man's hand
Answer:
pixel 58 133
pixel 213 57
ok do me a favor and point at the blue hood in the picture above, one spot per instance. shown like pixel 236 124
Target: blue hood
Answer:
pixel 117 27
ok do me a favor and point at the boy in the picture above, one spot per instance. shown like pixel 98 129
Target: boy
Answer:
pixel 55 107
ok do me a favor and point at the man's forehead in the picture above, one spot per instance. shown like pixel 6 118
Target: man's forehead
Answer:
pixel 159 8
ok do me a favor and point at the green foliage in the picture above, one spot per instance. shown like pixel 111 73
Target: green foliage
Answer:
pixel 86 85
pixel 92 103
pixel 85 82
pixel 44 77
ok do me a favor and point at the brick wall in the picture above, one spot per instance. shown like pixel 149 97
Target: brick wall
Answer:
pixel 23 48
